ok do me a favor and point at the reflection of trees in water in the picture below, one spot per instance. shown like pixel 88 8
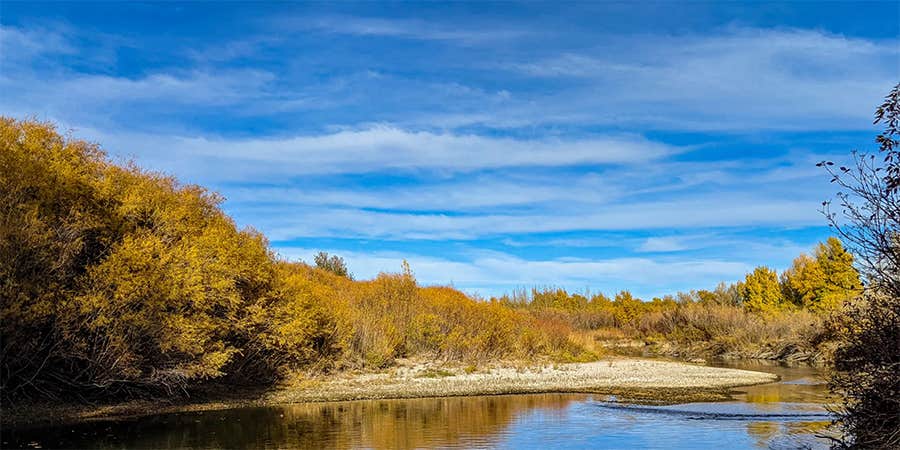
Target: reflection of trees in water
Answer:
pixel 762 431
pixel 792 434
pixel 766 395
pixel 414 423
pixel 812 427
pixel 800 384
pixel 772 394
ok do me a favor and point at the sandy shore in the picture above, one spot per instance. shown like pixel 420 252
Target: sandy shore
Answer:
pixel 625 378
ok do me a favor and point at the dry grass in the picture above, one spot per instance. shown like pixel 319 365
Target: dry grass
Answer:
pixel 683 328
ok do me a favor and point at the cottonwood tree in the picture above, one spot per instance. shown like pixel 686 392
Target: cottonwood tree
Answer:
pixel 824 281
pixel 761 292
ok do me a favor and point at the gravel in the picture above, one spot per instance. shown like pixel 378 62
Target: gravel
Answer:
pixel 651 378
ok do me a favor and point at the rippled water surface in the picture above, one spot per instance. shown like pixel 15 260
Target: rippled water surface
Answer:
pixel 788 414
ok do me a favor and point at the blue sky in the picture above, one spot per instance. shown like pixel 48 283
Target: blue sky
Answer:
pixel 654 147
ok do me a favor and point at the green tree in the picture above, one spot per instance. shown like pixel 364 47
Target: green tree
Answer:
pixel 723 294
pixel 332 263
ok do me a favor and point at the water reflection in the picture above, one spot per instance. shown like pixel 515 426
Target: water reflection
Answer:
pixel 801 387
pixel 762 431
pixel 799 384
pixel 780 415
pixel 416 423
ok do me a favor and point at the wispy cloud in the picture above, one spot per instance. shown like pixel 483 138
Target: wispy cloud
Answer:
pixel 449 186
pixel 694 213
pixel 663 244
pixel 382 148
pixel 494 273
pixel 23 44
pixel 401 28
pixel 736 79
pixel 191 88
pixel 52 47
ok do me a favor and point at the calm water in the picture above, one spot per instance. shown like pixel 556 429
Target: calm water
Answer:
pixel 788 414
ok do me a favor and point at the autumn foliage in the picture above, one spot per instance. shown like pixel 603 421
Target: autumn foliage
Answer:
pixel 119 281
pixel 765 315
pixel 116 281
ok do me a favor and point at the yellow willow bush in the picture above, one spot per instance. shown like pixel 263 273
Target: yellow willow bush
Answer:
pixel 113 277
pixel 393 317
pixel 115 280
pixel 480 330
pixel 302 323
pixel 380 311
pixel 166 298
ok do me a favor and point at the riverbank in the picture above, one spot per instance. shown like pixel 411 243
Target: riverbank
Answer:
pixel 783 352
pixel 628 379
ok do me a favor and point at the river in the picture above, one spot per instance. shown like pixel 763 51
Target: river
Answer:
pixel 786 414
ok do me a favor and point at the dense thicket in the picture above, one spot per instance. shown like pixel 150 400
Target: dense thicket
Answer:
pixel 868 219
pixel 115 280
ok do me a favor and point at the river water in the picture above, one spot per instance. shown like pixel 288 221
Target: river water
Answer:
pixel 787 414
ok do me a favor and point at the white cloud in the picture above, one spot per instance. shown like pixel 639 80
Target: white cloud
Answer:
pixel 774 249
pixel 479 193
pixel 400 28
pixel 450 196
pixel 21 44
pixel 736 79
pixel 697 212
pixel 493 273
pixel 89 98
pixel 380 148
pixel 663 244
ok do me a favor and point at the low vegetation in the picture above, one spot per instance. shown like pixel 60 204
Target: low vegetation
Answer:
pixel 765 316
